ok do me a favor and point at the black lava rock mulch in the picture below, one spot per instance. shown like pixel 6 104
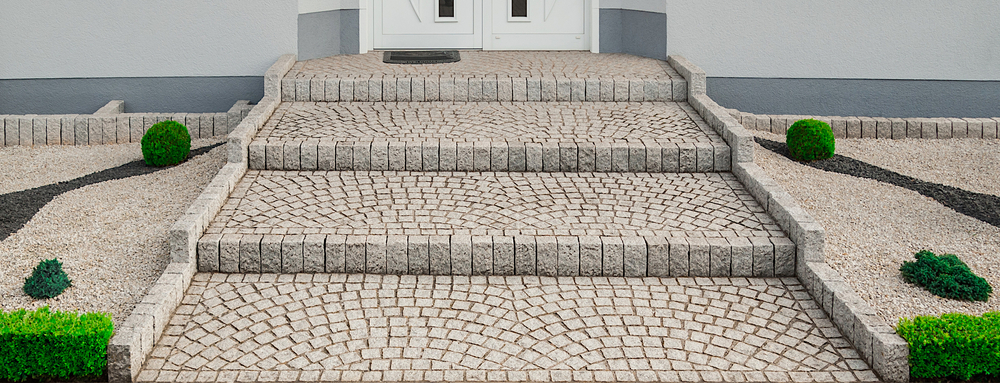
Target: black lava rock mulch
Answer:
pixel 17 208
pixel 984 207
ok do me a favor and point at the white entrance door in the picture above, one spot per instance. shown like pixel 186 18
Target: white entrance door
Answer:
pixel 538 25
pixel 428 24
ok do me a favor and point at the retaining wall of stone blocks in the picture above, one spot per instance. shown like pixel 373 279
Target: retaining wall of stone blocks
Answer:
pixel 884 350
pixel 109 125
pixel 133 341
pixel 879 127
pixel 406 89
pixel 491 156
pixel 498 255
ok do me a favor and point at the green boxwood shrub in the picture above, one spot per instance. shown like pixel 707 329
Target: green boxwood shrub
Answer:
pixel 46 345
pixel 48 280
pixel 166 143
pixel 945 276
pixel 810 140
pixel 953 345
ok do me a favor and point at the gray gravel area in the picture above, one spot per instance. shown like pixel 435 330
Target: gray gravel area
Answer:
pixel 872 227
pixel 110 236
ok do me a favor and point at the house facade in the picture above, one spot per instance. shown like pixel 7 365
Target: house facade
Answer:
pixel 886 58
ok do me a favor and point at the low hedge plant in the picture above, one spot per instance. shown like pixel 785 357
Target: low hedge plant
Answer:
pixel 43 344
pixel 945 276
pixel 953 346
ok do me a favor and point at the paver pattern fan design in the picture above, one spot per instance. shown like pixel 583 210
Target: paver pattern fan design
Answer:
pixel 443 203
pixel 417 328
pixel 660 122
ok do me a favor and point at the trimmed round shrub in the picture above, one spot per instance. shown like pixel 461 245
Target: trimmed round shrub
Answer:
pixel 48 280
pixel 810 140
pixel 166 143
pixel 945 276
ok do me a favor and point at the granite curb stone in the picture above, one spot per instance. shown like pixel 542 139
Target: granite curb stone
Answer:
pixel 505 255
pixel 879 127
pixel 465 89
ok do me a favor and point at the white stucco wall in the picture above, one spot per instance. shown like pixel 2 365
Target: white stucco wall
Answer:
pixel 880 39
pixel 143 38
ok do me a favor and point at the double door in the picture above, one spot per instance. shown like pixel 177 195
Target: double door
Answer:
pixel 485 24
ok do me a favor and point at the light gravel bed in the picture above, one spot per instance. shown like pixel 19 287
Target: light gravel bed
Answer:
pixel 872 227
pixel 110 236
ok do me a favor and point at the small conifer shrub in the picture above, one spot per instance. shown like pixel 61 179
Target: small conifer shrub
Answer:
pixel 48 280
pixel 166 143
pixel 945 276
pixel 810 140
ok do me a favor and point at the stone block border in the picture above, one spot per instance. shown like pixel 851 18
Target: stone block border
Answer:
pixel 133 342
pixel 110 125
pixel 406 89
pixel 879 127
pixel 877 342
pixel 496 156
pixel 498 255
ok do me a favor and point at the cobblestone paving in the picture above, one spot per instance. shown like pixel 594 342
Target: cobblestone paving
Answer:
pixel 445 203
pixel 492 63
pixel 661 122
pixel 356 327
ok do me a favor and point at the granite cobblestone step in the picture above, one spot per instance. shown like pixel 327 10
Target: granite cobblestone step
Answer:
pixel 531 137
pixel 498 255
pixel 556 224
pixel 486 76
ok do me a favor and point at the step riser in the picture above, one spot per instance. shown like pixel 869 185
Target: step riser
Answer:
pixel 406 89
pixel 497 156
pixel 498 255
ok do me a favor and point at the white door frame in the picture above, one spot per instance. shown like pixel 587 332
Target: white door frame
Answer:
pixel 366 24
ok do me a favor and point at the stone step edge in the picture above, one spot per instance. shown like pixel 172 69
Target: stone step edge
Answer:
pixel 498 255
pixel 434 88
pixel 496 156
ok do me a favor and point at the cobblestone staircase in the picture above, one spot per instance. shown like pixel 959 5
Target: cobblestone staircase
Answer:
pixel 512 217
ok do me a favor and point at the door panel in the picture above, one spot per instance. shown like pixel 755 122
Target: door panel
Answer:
pixel 425 24
pixel 539 24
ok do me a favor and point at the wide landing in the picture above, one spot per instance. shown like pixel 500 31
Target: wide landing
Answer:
pixel 359 327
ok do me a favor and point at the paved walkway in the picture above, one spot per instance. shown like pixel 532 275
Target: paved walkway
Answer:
pixel 342 327
pixel 492 63
pixel 584 194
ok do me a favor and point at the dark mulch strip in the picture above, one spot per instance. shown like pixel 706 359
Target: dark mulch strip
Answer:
pixel 17 208
pixel 984 207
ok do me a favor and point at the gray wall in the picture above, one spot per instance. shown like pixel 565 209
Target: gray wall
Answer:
pixel 893 58
pixel 640 33
pixel 861 39
pixel 858 97
pixel 141 94
pixel 60 56
pixel 328 33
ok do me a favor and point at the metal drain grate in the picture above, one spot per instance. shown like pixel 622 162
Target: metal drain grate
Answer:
pixel 421 57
